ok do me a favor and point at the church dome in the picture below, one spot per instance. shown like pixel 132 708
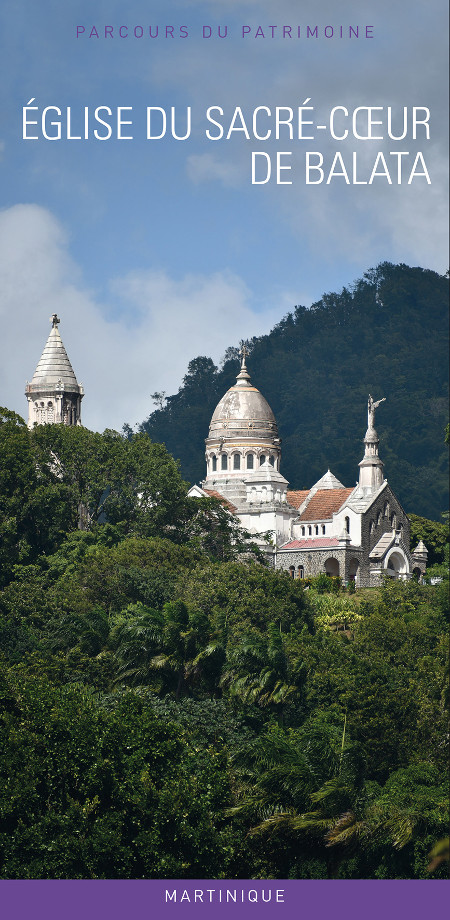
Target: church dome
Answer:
pixel 243 412
pixel 243 443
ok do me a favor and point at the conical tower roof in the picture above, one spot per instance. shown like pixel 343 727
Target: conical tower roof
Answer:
pixel 54 369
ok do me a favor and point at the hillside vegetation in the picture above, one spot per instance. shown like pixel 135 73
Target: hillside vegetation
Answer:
pixel 387 334
pixel 172 708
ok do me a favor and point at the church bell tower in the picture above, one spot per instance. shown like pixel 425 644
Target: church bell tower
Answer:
pixel 371 467
pixel 54 395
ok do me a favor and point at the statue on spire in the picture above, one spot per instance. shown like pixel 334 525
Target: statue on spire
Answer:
pixel 55 320
pixel 371 406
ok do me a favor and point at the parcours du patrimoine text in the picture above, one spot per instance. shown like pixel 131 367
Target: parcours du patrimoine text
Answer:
pixel 281 124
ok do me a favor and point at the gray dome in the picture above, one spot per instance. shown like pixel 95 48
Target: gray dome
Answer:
pixel 243 412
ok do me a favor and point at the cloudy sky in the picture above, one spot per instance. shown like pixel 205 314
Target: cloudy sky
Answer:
pixel 155 251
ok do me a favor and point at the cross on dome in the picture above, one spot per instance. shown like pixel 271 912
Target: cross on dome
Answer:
pixel 244 352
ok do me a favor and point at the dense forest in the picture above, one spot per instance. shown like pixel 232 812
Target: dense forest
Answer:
pixel 387 335
pixel 170 707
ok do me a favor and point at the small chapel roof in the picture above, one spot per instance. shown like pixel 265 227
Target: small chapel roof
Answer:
pixel 54 368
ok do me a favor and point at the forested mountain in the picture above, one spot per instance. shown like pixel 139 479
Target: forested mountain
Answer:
pixel 387 334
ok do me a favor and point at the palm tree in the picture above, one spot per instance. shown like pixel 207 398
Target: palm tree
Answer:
pixel 258 672
pixel 166 649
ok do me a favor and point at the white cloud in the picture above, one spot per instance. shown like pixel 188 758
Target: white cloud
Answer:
pixel 206 168
pixel 119 362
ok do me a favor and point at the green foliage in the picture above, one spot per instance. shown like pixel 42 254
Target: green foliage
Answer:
pixel 323 584
pixel 87 793
pixel 434 535
pixel 170 707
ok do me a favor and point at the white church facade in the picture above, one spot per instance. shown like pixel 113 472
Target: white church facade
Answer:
pixel 356 533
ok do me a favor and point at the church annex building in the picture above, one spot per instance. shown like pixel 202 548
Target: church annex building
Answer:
pixel 357 534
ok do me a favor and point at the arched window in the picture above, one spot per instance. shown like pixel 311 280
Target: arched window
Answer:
pixel 372 526
pixel 378 518
pixel 347 524
pixel 236 461
pixel 303 531
pixel 224 462
pixel 214 463
pixel 323 528
pixel 262 459
pixel 301 572
pixel 316 530
pixel 272 460
pixel 292 571
pixel 309 530
pixel 394 522
pixel 250 458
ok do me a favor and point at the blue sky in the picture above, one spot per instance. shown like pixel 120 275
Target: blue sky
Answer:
pixel 153 252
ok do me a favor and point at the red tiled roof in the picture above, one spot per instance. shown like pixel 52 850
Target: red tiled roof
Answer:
pixel 318 543
pixel 297 498
pixel 221 498
pixel 324 503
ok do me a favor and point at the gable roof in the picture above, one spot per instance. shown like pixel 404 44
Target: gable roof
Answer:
pixel 324 503
pixel 296 498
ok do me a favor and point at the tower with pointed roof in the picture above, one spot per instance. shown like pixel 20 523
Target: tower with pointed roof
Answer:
pixel 54 394
pixel 371 467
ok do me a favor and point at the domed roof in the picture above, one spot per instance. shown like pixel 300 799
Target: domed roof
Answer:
pixel 243 412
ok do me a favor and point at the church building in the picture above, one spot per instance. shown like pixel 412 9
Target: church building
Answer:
pixel 357 533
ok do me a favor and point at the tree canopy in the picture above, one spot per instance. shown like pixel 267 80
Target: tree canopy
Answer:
pixel 171 707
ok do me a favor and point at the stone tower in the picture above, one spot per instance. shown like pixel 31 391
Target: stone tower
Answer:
pixel 54 395
pixel 371 467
